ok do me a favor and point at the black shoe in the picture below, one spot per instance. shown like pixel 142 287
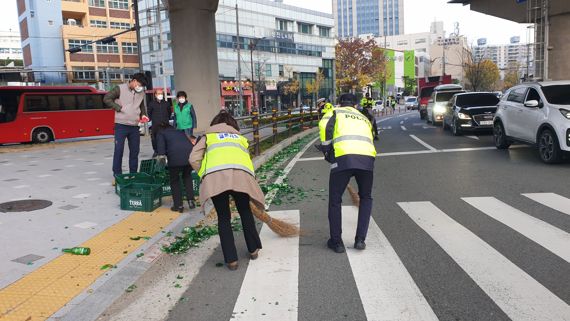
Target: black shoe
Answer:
pixel 191 205
pixel 338 247
pixel 375 137
pixel 177 209
pixel 359 244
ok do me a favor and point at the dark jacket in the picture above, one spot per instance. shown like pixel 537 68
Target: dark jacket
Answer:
pixel 159 112
pixel 175 145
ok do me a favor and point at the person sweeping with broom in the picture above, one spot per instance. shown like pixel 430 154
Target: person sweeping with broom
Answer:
pixel 222 160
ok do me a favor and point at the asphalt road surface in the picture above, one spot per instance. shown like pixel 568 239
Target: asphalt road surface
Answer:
pixel 459 231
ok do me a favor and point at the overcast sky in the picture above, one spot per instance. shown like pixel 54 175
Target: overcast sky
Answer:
pixel 418 14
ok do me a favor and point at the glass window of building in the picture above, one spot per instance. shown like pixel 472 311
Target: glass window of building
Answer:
pixel 268 70
pixel 98 23
pixel 97 3
pixel 305 28
pixel 84 44
pixel 119 4
pixel 324 31
pixel 83 73
pixel 421 40
pixel 281 71
pixel 129 48
pixel 402 42
pixel 110 74
pixel 283 25
pixel 120 25
pixel 112 47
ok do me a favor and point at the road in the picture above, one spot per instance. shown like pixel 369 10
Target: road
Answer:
pixel 459 231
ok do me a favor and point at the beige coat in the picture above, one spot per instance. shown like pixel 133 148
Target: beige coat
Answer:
pixel 229 179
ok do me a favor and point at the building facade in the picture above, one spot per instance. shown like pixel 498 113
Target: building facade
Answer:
pixel 10 46
pixel 513 56
pixel 377 17
pixel 74 23
pixel 279 45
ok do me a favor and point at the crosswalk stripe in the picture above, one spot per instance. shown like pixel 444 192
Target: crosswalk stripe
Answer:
pixel 386 289
pixel 555 201
pixel 519 295
pixel 553 239
pixel 270 289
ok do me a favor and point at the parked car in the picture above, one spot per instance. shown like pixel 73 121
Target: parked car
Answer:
pixel 411 103
pixel 537 114
pixel 470 112
pixel 437 104
pixel 378 107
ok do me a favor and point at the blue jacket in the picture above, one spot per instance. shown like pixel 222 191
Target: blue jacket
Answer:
pixel 175 145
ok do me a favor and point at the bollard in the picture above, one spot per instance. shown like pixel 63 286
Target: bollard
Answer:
pixel 255 123
pixel 302 119
pixel 289 122
pixel 274 119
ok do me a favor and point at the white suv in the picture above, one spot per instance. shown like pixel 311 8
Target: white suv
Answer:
pixel 538 114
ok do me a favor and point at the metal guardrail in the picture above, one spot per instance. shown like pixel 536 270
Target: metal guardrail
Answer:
pixel 257 122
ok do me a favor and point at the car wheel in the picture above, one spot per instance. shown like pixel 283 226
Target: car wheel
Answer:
pixel 455 129
pixel 548 147
pixel 500 137
pixel 42 135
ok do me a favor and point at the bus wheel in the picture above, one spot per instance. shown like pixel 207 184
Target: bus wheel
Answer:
pixel 42 135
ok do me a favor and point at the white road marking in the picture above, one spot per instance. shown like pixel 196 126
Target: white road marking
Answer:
pixel 271 195
pixel 551 238
pixel 405 153
pixel 428 127
pixel 473 137
pixel 82 196
pixel 310 159
pixel 85 225
pixel 20 186
pixel 384 119
pixel 519 295
pixel 555 201
pixel 90 173
pixel 93 179
pixel 98 164
pixel 386 289
pixel 270 289
pixel 104 184
pixel 8 164
pixel 426 145
pixel 403 128
pixel 406 118
pixel 402 122
pixel 44 175
pixel 468 149
pixel 70 166
pixel 418 124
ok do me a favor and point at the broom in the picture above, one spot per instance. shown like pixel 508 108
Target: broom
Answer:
pixel 353 195
pixel 280 227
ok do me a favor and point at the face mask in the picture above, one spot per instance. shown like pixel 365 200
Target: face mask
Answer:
pixel 159 97
pixel 139 89
pixel 182 100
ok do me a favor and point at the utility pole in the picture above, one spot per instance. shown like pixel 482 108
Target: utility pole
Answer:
pixel 251 48
pixel 161 41
pixel 443 58
pixel 138 30
pixel 239 63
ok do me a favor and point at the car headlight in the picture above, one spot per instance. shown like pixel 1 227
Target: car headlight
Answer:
pixel 565 113
pixel 463 116
pixel 439 109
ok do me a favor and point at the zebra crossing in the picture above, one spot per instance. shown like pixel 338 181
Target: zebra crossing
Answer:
pixel 270 288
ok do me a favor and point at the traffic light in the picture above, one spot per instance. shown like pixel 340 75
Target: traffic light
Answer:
pixel 74 50
pixel 108 40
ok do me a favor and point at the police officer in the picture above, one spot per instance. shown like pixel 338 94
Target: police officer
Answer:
pixel 323 106
pixel 346 141
pixel 367 103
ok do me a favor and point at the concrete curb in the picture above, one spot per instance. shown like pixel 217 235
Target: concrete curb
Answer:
pixel 91 303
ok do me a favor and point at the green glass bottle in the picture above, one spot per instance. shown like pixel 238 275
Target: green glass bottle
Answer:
pixel 78 250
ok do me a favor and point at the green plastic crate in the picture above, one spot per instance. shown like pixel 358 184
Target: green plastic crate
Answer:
pixel 125 179
pixel 164 180
pixel 151 166
pixel 141 197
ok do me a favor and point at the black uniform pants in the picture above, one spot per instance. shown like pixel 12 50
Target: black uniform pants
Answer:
pixel 370 115
pixel 153 134
pixel 176 187
pixel 222 205
pixel 337 185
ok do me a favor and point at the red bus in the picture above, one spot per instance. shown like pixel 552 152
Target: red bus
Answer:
pixel 425 89
pixel 41 114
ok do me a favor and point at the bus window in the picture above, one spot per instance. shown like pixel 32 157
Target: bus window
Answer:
pixel 62 102
pixel 90 102
pixel 8 107
pixel 36 103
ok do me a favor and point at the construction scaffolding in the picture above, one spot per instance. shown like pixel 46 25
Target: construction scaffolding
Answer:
pixel 538 15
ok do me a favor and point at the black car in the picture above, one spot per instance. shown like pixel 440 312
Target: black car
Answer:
pixel 470 112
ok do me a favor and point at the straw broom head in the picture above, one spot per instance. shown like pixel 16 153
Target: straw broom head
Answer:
pixel 353 195
pixel 280 227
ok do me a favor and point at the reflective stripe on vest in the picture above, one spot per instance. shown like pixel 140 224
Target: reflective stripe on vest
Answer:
pixel 352 133
pixel 226 151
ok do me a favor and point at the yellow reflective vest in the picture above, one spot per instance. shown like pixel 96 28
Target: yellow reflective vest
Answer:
pixel 226 151
pixel 352 133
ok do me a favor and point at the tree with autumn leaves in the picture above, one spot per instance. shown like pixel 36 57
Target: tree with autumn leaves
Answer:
pixel 358 63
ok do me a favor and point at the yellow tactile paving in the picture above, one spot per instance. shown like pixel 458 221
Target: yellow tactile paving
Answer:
pixel 43 292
